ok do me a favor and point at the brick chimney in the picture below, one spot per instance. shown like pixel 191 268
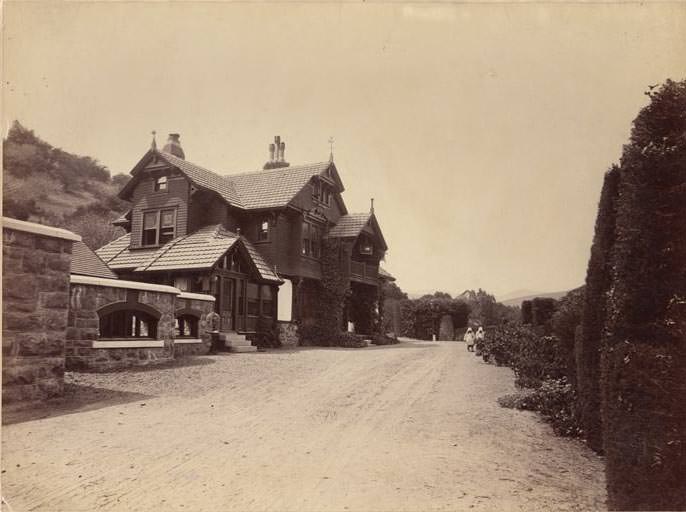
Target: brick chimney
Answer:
pixel 277 152
pixel 173 146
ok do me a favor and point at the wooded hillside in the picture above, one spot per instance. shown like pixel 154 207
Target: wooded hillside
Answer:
pixel 50 186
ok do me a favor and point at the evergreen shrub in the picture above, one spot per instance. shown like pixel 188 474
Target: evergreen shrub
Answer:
pixel 527 313
pixel 643 357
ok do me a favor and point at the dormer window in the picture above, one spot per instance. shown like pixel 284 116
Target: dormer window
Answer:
pixel 321 192
pixel 161 184
pixel 158 227
pixel 263 230
pixel 366 246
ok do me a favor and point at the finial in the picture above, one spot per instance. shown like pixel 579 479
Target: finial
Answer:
pixel 331 141
pixel 371 209
pixel 153 145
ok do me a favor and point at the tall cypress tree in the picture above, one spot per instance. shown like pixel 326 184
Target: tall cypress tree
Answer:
pixel 587 349
pixel 644 349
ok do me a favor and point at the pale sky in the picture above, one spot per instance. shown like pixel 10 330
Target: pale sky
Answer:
pixel 482 131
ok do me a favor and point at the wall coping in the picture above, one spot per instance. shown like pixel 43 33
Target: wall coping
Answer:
pixel 130 343
pixel 39 229
pixel 120 283
pixel 197 296
pixel 186 341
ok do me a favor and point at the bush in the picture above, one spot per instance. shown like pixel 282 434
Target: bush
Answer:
pixel 536 358
pixel 542 310
pixel 554 400
pixel 499 345
pixel 420 318
pixel 266 335
pixel 384 339
pixel 587 349
pixel 527 313
pixel 315 336
pixel 644 348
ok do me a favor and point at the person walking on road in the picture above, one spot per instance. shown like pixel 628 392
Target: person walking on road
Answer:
pixel 479 337
pixel 213 322
pixel 469 339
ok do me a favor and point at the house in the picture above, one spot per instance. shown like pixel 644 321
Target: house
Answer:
pixel 252 240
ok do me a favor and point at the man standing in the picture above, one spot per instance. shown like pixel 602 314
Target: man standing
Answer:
pixel 213 322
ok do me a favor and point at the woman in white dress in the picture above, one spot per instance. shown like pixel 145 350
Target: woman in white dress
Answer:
pixel 469 339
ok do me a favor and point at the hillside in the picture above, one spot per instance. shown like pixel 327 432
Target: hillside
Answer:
pixel 50 186
pixel 517 301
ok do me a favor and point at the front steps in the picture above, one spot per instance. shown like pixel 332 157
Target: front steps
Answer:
pixel 237 342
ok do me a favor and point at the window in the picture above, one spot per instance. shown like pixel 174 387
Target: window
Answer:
pixel 311 240
pixel 321 192
pixel 186 326
pixel 263 231
pixel 161 184
pixel 366 246
pixel 253 299
pixel 128 323
pixel 182 283
pixel 158 227
pixel 306 246
pixel 267 301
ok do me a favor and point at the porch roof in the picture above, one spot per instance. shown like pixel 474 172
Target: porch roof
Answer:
pixel 197 251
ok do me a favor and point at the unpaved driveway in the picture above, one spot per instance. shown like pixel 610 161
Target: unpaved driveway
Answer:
pixel 408 427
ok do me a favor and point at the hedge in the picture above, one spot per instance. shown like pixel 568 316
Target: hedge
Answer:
pixel 587 349
pixel 644 350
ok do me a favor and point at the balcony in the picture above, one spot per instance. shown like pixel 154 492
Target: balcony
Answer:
pixel 360 271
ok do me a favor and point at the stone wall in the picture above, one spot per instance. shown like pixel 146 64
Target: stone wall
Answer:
pixel 35 292
pixel 83 322
pixel 288 334
pixel 200 308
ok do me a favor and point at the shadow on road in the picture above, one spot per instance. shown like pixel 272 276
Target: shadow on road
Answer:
pixel 76 398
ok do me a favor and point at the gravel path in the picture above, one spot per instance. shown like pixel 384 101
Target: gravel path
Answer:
pixel 414 426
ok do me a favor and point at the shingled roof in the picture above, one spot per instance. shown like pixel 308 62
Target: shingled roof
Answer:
pixel 85 262
pixel 197 251
pixel 255 190
pixel 276 187
pixel 349 225
pixel 205 178
pixel 352 224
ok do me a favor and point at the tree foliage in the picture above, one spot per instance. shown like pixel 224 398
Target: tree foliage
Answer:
pixel 45 184
pixel 644 347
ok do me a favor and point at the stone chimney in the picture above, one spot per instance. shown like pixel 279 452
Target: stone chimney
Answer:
pixel 277 152
pixel 173 146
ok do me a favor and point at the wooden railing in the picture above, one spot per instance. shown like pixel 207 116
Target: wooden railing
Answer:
pixel 364 270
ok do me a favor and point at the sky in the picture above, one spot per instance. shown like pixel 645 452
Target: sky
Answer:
pixel 482 131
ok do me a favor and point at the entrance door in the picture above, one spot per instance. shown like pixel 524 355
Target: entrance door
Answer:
pixel 227 304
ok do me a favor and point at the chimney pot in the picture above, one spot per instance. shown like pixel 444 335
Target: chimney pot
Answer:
pixel 282 152
pixel 271 152
pixel 173 146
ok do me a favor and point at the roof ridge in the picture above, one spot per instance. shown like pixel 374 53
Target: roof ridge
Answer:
pixel 277 169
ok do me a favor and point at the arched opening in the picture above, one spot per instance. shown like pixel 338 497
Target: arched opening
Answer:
pixel 126 320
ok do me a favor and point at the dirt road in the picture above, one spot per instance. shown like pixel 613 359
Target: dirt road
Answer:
pixel 414 426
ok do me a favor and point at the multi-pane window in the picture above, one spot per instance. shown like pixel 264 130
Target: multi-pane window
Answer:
pixel 253 299
pixel 321 192
pixel 128 323
pixel 311 240
pixel 161 184
pixel 158 227
pixel 186 326
pixel 267 301
pixel 263 230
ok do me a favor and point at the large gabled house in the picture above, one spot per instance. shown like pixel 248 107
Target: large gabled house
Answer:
pixel 253 240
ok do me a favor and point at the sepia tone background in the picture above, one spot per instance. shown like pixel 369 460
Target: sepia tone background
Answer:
pixel 481 130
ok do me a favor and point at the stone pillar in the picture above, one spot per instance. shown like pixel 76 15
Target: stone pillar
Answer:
pixel 35 293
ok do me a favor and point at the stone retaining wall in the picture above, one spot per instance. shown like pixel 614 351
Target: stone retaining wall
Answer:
pixel 202 308
pixel 35 292
pixel 82 329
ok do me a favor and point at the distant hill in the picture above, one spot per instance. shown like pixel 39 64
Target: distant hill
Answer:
pixel 508 300
pixel 50 186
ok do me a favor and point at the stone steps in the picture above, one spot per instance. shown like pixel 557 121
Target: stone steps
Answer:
pixel 237 342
